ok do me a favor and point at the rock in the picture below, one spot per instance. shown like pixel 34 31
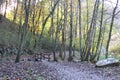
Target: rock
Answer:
pixel 107 62
pixel 29 59
pixel 76 60
pixel 36 59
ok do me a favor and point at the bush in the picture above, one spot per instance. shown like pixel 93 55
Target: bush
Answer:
pixel 115 51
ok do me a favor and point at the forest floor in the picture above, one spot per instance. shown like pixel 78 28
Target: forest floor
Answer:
pixel 36 70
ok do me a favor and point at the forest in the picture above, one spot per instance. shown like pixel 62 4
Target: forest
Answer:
pixel 59 40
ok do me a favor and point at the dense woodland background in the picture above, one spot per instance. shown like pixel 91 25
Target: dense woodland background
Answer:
pixel 87 30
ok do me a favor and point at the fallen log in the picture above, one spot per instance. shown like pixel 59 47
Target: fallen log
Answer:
pixel 107 62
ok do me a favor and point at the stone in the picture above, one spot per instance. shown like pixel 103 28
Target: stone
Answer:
pixel 29 59
pixel 36 59
pixel 107 62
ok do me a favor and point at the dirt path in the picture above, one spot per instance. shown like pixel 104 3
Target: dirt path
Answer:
pixel 75 71
pixel 36 70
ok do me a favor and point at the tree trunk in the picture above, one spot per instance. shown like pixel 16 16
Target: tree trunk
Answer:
pixel 23 34
pixel 111 27
pixel 80 30
pixel 71 34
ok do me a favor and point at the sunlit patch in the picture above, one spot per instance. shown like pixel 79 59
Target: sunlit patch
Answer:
pixel 8 6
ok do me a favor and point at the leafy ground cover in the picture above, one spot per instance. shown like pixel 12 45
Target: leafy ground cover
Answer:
pixel 31 70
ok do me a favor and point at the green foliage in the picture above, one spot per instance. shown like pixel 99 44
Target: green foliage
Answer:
pixel 115 51
pixel 7 37
pixel 46 43
pixel 9 33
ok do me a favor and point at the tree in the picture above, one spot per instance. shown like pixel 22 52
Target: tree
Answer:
pixel 53 39
pixel 23 33
pixel 16 9
pixel 64 21
pixel 80 30
pixel 111 27
pixel 71 34
pixel 64 29
pixel 46 19
pixel 100 32
pixel 6 5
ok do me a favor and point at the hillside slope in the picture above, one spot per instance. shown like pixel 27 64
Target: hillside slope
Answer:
pixel 8 32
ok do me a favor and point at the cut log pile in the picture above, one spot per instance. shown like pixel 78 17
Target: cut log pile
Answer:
pixel 42 54
pixel 11 50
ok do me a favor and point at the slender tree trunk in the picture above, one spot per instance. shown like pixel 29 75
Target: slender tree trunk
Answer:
pixel 46 19
pixel 64 28
pixel 100 31
pixel 80 30
pixel 23 34
pixel 91 31
pixel 53 39
pixel 20 34
pixel 111 27
pixel 6 5
pixel 71 34
pixel 16 9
